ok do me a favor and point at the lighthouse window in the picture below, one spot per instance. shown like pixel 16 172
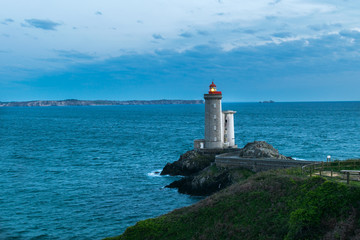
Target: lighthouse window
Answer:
pixel 214 116
pixel 215 139
pixel 215 128
pixel 214 105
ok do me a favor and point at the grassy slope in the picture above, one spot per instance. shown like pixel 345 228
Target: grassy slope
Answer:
pixel 269 205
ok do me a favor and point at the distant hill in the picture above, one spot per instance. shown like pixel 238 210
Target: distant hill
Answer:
pixel 75 102
pixel 269 101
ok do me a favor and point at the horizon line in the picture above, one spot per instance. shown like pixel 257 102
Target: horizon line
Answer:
pixel 164 99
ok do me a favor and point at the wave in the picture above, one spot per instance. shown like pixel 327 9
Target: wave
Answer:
pixel 155 173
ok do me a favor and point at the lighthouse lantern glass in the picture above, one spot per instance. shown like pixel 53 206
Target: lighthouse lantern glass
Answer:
pixel 212 89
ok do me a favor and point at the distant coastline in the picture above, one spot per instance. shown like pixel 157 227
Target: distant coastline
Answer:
pixel 269 101
pixel 75 102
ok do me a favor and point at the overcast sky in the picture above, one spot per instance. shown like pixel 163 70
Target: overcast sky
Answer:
pixel 284 50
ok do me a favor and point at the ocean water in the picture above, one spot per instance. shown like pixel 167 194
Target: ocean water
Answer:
pixel 90 172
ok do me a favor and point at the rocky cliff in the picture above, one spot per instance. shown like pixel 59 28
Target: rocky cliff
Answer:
pixel 189 163
pixel 203 177
pixel 210 180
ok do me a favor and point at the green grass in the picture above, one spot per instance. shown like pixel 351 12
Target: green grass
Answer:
pixel 280 204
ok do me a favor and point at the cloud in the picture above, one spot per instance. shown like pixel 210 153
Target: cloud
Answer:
pixel 42 24
pixel 274 2
pixel 289 70
pixel 74 54
pixel 319 27
pixel 202 32
pixel 7 21
pixel 350 34
pixel 282 35
pixel 252 25
pixel 157 36
pixel 271 18
pixel 247 31
pixel 186 35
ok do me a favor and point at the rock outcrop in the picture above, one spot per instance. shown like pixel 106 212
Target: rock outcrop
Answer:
pixel 189 163
pixel 260 149
pixel 204 183
pixel 209 180
pixel 202 178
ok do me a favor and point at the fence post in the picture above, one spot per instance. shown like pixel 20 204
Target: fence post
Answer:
pixel 322 167
pixel 347 177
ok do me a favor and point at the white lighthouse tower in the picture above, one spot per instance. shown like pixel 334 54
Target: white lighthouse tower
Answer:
pixel 214 133
pixel 219 125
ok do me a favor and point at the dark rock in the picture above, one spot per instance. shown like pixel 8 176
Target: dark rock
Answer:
pixel 189 163
pixel 210 180
pixel 260 149
pixel 205 183
pixel 202 179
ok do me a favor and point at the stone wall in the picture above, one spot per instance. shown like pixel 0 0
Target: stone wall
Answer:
pixel 207 151
pixel 231 160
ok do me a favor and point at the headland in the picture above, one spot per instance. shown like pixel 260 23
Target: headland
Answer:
pixel 208 172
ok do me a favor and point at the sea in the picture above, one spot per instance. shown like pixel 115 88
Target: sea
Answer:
pixel 90 172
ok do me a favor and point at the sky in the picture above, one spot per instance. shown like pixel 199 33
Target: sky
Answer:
pixel 283 50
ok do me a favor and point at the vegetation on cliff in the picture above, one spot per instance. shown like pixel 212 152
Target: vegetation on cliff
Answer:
pixel 281 204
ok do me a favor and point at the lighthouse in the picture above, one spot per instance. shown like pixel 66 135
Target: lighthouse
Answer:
pixel 214 135
pixel 219 125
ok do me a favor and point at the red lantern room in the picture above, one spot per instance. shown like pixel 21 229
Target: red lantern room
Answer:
pixel 213 89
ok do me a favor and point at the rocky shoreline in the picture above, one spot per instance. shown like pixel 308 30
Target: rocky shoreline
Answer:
pixel 202 177
pixel 189 163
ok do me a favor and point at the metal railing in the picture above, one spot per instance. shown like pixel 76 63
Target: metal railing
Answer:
pixel 348 170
